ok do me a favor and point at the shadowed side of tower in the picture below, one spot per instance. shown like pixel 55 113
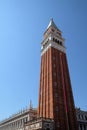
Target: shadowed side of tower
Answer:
pixel 55 92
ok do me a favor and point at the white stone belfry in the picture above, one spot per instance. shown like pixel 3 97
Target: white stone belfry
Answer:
pixel 52 38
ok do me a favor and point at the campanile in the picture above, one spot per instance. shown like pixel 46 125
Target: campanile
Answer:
pixel 55 92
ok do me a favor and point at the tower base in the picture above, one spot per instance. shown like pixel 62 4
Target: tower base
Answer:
pixel 40 124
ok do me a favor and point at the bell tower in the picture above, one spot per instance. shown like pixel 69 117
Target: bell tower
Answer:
pixel 55 92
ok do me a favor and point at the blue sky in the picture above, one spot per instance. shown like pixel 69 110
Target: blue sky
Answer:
pixel 22 24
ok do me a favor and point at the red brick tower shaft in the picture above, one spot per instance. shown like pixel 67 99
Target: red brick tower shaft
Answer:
pixel 55 93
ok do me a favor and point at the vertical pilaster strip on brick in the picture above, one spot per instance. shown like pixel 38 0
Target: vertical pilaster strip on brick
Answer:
pixel 47 88
pixel 41 106
pixel 48 83
pixel 44 98
pixel 57 79
pixel 45 78
pixel 51 86
pixel 70 99
pixel 43 86
pixel 64 91
pixel 61 106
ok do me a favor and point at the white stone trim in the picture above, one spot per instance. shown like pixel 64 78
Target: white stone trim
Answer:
pixel 54 45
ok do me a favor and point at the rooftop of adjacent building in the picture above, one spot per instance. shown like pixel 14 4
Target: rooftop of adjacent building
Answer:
pixel 81 115
pixel 79 110
pixel 21 113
